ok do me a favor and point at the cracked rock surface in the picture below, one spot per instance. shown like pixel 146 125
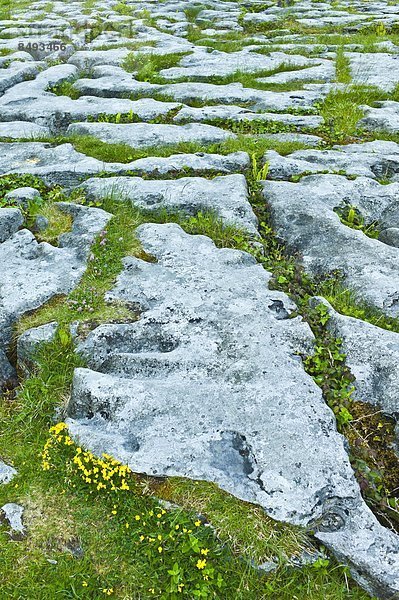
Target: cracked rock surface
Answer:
pixel 369 266
pixel 155 394
pixel 251 111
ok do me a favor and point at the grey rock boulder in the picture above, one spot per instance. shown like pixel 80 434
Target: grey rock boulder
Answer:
pixel 22 196
pixel 115 85
pixel 23 129
pixel 65 166
pixel 16 73
pixel 312 228
pixel 385 117
pixel 226 195
pixel 57 112
pixel 86 224
pixel 374 68
pixel 204 65
pixel 11 220
pixel 6 473
pixel 143 135
pixel 390 236
pixel 29 342
pixel 234 93
pixel 86 59
pixel 325 71
pixel 197 386
pixel 378 160
pixel 12 513
pixel 239 114
pixel 36 272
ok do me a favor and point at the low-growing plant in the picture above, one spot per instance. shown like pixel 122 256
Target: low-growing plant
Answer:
pixel 353 218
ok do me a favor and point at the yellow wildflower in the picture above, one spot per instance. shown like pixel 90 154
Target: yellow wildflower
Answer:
pixel 201 564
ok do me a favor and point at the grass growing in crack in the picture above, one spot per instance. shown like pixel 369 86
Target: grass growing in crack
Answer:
pixel 341 112
pixel 147 66
pixel 59 222
pixel 66 88
pixel 123 153
pixel 249 79
pixel 353 218
pixel 347 303
pixel 105 262
pixel 342 67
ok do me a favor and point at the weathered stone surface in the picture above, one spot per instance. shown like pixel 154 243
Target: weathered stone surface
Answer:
pixel 234 93
pixel 369 267
pixel 375 68
pixel 378 160
pixel 204 65
pixel 86 224
pixel 57 112
pixel 16 73
pixel 305 139
pixel 239 114
pixel 325 71
pixel 85 59
pixel 390 236
pixel 196 387
pixel 115 85
pixel 11 220
pixel 64 165
pixel 37 272
pixel 227 196
pixel 22 129
pixel 383 118
pixel 12 513
pixel 6 473
pixel 141 135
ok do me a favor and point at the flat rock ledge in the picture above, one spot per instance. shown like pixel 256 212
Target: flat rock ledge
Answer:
pixel 209 385
pixel 63 165
pixel 370 267
pixel 226 196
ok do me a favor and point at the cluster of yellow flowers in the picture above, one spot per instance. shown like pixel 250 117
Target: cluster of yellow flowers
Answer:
pixel 102 473
pixel 58 435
